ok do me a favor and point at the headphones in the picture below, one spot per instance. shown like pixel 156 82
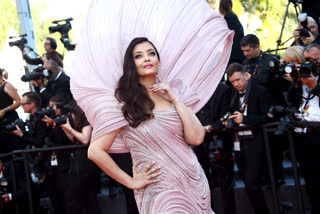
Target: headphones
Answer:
pixel 53 42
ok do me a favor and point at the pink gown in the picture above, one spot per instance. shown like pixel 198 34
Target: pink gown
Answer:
pixel 194 43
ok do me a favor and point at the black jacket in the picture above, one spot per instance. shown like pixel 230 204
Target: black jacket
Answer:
pixel 61 86
pixel 217 106
pixel 38 131
pixel 258 104
pixel 234 24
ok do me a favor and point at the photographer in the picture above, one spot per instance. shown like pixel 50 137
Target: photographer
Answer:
pixel 9 102
pixel 249 106
pixel 37 129
pixel 308 27
pixel 76 178
pixel 59 82
pixel 215 154
pixel 304 95
pixel 83 174
pixel 39 82
pixel 257 64
pixel 50 46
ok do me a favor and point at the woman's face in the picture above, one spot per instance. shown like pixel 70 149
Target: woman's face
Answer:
pixel 57 110
pixel 146 59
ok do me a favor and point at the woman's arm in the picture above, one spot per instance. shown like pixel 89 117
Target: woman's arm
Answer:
pixel 83 136
pixel 12 92
pixel 97 152
pixel 192 129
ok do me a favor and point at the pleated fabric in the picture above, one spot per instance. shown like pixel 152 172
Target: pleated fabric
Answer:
pixel 183 186
pixel 193 40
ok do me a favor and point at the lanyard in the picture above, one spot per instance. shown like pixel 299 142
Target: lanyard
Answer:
pixel 256 68
pixel 243 105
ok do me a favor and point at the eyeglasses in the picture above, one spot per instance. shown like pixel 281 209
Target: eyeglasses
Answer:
pixel 24 104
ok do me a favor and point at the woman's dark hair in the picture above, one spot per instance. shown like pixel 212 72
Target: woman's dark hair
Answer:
pixel 137 104
pixel 225 6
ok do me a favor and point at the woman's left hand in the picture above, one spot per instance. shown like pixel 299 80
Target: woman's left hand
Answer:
pixel 163 90
pixel 66 126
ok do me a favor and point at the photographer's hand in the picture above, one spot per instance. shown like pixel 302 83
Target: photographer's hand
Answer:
pixel 296 35
pixel 6 198
pixel 308 40
pixel 47 120
pixel 17 132
pixel 237 116
pixel 310 81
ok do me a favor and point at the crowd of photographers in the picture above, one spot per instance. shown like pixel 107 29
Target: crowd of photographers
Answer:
pixel 67 177
pixel 260 88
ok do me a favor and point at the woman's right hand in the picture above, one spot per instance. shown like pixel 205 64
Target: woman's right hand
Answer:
pixel 145 177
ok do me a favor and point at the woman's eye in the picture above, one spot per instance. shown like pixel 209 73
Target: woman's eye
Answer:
pixel 137 56
pixel 152 53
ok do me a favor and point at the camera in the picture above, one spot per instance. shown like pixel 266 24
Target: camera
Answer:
pixel 58 121
pixel 307 68
pixel 3 188
pixel 63 29
pixel 289 117
pixel 229 122
pixel 19 43
pixel 45 112
pixel 11 127
pixel 303 19
pixel 36 74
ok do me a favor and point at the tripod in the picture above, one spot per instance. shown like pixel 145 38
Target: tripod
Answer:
pixel 297 8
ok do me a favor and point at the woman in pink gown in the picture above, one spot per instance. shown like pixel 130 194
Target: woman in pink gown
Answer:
pixel 195 46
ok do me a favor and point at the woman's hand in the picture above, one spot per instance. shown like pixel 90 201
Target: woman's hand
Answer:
pixel 66 127
pixel 145 177
pixel 164 91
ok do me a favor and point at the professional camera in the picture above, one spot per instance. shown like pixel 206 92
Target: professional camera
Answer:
pixel 11 127
pixel 58 121
pixel 303 19
pixel 19 43
pixel 289 117
pixel 307 68
pixel 3 188
pixel 36 74
pixel 229 122
pixel 63 29
pixel 45 112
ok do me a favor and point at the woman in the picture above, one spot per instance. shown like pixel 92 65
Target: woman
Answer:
pixel 225 9
pixel 167 176
pixel 9 102
pixel 77 178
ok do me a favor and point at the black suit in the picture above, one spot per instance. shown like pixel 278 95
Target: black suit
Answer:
pixel 61 86
pixel 250 158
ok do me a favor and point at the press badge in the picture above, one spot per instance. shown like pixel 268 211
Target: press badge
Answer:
pixel 54 161
pixel 236 146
